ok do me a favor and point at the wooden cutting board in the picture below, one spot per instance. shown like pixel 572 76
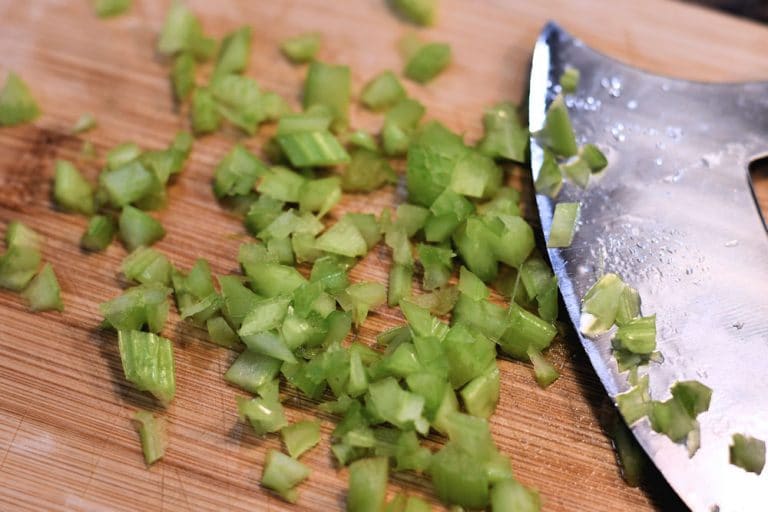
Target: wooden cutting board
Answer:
pixel 66 442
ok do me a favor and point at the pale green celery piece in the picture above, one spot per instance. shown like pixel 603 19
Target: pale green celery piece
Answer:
pixel 550 179
pixel 569 80
pixel 20 235
pixel 148 363
pixel 274 106
pixel 84 123
pixel 99 233
pixel 366 172
pixel 402 252
pixel 220 332
pixel 264 415
pixel 122 154
pixel 514 240
pixel 111 8
pixel 183 75
pixel 505 135
pixel 18 266
pixel 397 406
pixel 421 12
pixel 153 435
pixel 600 305
pixel 204 114
pixel 320 195
pixel 557 133
pixel 692 395
pixel 672 419
pixel 282 474
pixel 182 32
pixel 364 297
pixel 635 403
pixel 545 373
pixel 638 335
pixel 476 175
pixel 481 394
pixel 266 314
pixel 269 344
pixel 237 173
pixel 301 48
pixel 144 305
pixel 439 302
pixel 43 292
pixel 343 238
pixel 234 52
pixel 630 455
pixel 367 485
pixel 593 157
pixel 17 106
pixel 471 285
pixel 427 62
pixel 510 495
pixel 400 123
pixel 577 171
pixel 563 226
pixel 138 228
pixel 358 378
pixel 364 140
pixel 629 306
pixel 313 149
pixel 748 453
pixel 238 99
pixel 300 437
pixel 250 371
pixel 382 91
pixel 146 265
pixel 329 86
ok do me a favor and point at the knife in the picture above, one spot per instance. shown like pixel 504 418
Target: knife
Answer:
pixel 675 216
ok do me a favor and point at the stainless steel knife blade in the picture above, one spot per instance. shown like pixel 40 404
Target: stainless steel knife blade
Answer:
pixel 674 215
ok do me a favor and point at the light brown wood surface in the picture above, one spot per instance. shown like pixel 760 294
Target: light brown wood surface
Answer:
pixel 66 441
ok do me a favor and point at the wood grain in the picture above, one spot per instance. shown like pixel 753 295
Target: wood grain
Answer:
pixel 66 442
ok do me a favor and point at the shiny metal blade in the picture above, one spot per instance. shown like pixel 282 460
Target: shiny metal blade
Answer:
pixel 674 215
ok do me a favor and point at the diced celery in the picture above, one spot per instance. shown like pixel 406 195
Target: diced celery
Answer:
pixel 475 244
pixel 525 331
pixel 421 322
pixel 43 292
pixel 238 99
pixel 468 353
pixel 205 117
pixel 313 148
pixel 505 136
pixel 638 335
pixel 146 265
pixel 545 373
pixel 20 235
pixel 234 52
pixel 182 32
pixel 421 12
pixel 152 433
pixel 550 179
pixel 238 300
pixel 320 195
pixel 128 183
pixel 513 241
pixel 301 48
pixel 282 474
pixel 748 453
pixel 600 305
pixel 432 156
pixel 629 306
pixel 71 191
pixel 273 279
pixel 220 332
pixel 367 171
pixel 18 266
pixel 458 478
pixel 367 485
pixel 510 495
pixel 264 414
pixel 563 225
pixel 569 80
pixel 437 263
pixel 250 371
pixel 17 105
pixel 329 85
pixel 148 363
pixel 481 394
pixel 557 133
pixel 138 228
pixel 362 139
pixel 635 403
pixel 183 75
pixel 237 172
pixel 692 395
pixel 364 297
pixel 593 157
pixel 145 305
pixel 343 238
pixel 577 171
pixel 476 175
pixel 400 123
pixel 111 8
pixel 400 283
pixel 393 404
pixel 383 91
pixel 427 62
pixel 671 419
pixel 630 455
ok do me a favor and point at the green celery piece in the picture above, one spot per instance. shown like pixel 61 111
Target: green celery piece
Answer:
pixel 600 305
pixel 273 279
pixel 557 133
pixel 471 286
pixel 17 106
pixel 99 233
pixel 301 48
pixel 300 437
pixel 693 396
pixel 577 171
pixel 486 317
pixel 136 307
pixel 401 361
pixel 402 253
pixel 671 419
pixel 393 404
pixel 304 248
pixel 313 148
pixel 362 139
pixel 411 217
pixel 563 225
pixel 511 495
pixel 432 156
pixel 18 265
pixel 438 302
pixel 475 244
pixel 471 434
pixel 427 62
pixel 358 378
pixel 449 406
pixel 331 272
pixel 549 181
pixel 237 173
pixel 593 157
pixel 536 274
pixel 469 354
pixel 505 135
pixel 498 468
pixel 238 99
pixel 282 474
pixel 514 240
pixel 421 12
pixel 274 106
pixel 148 363
pixel 201 310
pixel 237 300
pixel 421 322
pixel 569 80
pixel 264 415
pixel 282 184
pixel 366 172
pixel 122 154
pixel 204 115
pixel 84 123
pixel 20 235
pixel 317 119
pixel 629 306
pixel 638 335
pixel 43 292
pixel 459 478
pixel 367 485
pixel 369 227
pixel 343 238
pixel 748 453
pixel 250 371
pixel 635 404
pixel 235 52
pixel 431 386
pixel 182 32
pixel 476 175
pixel 630 455
pixel 145 265
pixel 546 374
pixel 111 8
pixel 152 433
pixel 137 228
pixel 286 224
pixel 400 123
pixel 481 394
pixel 382 91
pixel 128 183
pixel 320 195
pixel 437 263
pixel 329 85
pixel 547 301
pixel 400 283
pixel 265 315
pixel 262 212
pixel 196 284
pixel 221 333
pixel 411 456
pixel 305 332
pixel 364 297
pixel 183 75
pixel 525 331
